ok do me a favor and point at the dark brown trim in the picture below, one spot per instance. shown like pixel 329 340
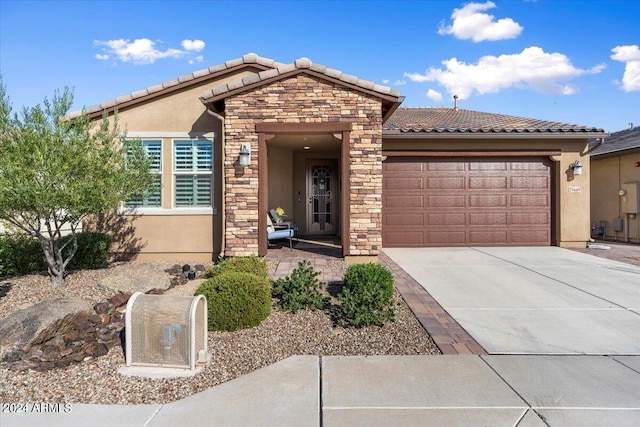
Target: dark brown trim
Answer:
pixel 324 127
pixel 263 182
pixel 345 186
pixel 400 153
pixel 177 87
pixel 322 76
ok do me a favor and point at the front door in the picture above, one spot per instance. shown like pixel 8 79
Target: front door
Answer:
pixel 322 194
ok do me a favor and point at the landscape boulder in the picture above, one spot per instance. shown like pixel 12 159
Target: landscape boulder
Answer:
pixel 141 279
pixel 21 327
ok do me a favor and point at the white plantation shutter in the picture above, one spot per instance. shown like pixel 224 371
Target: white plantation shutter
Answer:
pixel 153 196
pixel 193 163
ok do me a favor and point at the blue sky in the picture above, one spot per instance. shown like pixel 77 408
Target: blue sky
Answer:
pixel 575 61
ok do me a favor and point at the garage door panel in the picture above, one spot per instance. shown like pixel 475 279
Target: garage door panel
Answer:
pixel 446 201
pixel 406 219
pixel 404 201
pixel 488 237
pixel 449 238
pixel 446 183
pixel 530 200
pixel 529 182
pixel 466 201
pixel 530 218
pixel 487 183
pixel 446 166
pixel 488 166
pixel 530 237
pixel 476 219
pixel 403 166
pixel 404 183
pixel 540 166
pixel 404 238
pixel 446 219
pixel 487 200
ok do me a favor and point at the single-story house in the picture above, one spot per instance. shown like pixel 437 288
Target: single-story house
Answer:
pixel 615 181
pixel 341 157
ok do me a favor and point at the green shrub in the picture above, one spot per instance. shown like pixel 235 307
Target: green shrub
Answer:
pixel 367 295
pixel 236 300
pixel 92 253
pixel 251 264
pixel 20 254
pixel 301 290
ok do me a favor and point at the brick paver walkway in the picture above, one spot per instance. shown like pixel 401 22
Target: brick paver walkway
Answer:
pixel 448 335
pixel 327 261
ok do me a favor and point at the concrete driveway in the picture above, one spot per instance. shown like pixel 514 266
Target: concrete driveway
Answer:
pixel 533 300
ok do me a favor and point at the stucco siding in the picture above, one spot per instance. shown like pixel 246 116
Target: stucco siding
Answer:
pixel 608 176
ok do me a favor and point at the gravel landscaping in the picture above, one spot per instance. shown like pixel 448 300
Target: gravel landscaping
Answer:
pixel 233 354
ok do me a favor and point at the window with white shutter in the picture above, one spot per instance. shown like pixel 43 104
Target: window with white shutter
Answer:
pixel 153 196
pixel 192 169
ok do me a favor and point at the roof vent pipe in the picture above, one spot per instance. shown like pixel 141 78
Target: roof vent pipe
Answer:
pixel 455 102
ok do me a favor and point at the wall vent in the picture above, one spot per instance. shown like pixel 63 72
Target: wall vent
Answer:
pixel 163 331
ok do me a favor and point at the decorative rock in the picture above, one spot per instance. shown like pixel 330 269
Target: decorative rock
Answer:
pixel 119 299
pixel 141 279
pixel 21 327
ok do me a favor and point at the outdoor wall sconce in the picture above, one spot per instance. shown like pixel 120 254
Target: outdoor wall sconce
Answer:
pixel 576 167
pixel 244 159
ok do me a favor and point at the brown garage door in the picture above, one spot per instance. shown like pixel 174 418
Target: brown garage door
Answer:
pixel 466 202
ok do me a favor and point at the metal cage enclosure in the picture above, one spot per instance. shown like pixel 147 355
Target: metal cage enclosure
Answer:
pixel 166 331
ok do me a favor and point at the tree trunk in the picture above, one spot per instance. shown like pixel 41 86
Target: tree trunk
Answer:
pixel 57 278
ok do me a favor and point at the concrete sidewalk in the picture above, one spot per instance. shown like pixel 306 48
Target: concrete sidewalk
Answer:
pixel 523 391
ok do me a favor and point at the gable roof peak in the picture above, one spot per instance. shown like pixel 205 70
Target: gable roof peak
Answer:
pixel 303 63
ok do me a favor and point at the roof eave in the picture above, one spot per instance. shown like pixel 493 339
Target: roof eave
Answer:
pixel 491 135
pixel 110 109
pixel 616 153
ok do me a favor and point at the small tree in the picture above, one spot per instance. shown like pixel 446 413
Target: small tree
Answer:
pixel 55 171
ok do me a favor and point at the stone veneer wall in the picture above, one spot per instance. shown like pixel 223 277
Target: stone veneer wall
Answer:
pixel 304 99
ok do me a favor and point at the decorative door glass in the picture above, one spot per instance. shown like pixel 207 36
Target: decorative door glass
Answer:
pixel 322 184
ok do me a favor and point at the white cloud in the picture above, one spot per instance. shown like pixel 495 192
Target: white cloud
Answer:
pixel 470 22
pixel 400 83
pixel 630 55
pixel 434 95
pixel 197 59
pixel 143 51
pixel 531 69
pixel 385 81
pixel 193 45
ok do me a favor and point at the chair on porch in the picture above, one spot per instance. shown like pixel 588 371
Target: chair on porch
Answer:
pixel 283 230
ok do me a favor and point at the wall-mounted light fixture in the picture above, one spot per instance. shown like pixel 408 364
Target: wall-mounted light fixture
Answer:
pixel 576 167
pixel 244 159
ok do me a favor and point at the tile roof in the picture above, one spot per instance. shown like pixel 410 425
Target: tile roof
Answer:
pixel 275 69
pixel 248 59
pixel 450 120
pixel 298 64
pixel 624 140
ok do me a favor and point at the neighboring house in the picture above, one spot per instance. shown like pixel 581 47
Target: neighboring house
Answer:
pixel 615 175
pixel 340 156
